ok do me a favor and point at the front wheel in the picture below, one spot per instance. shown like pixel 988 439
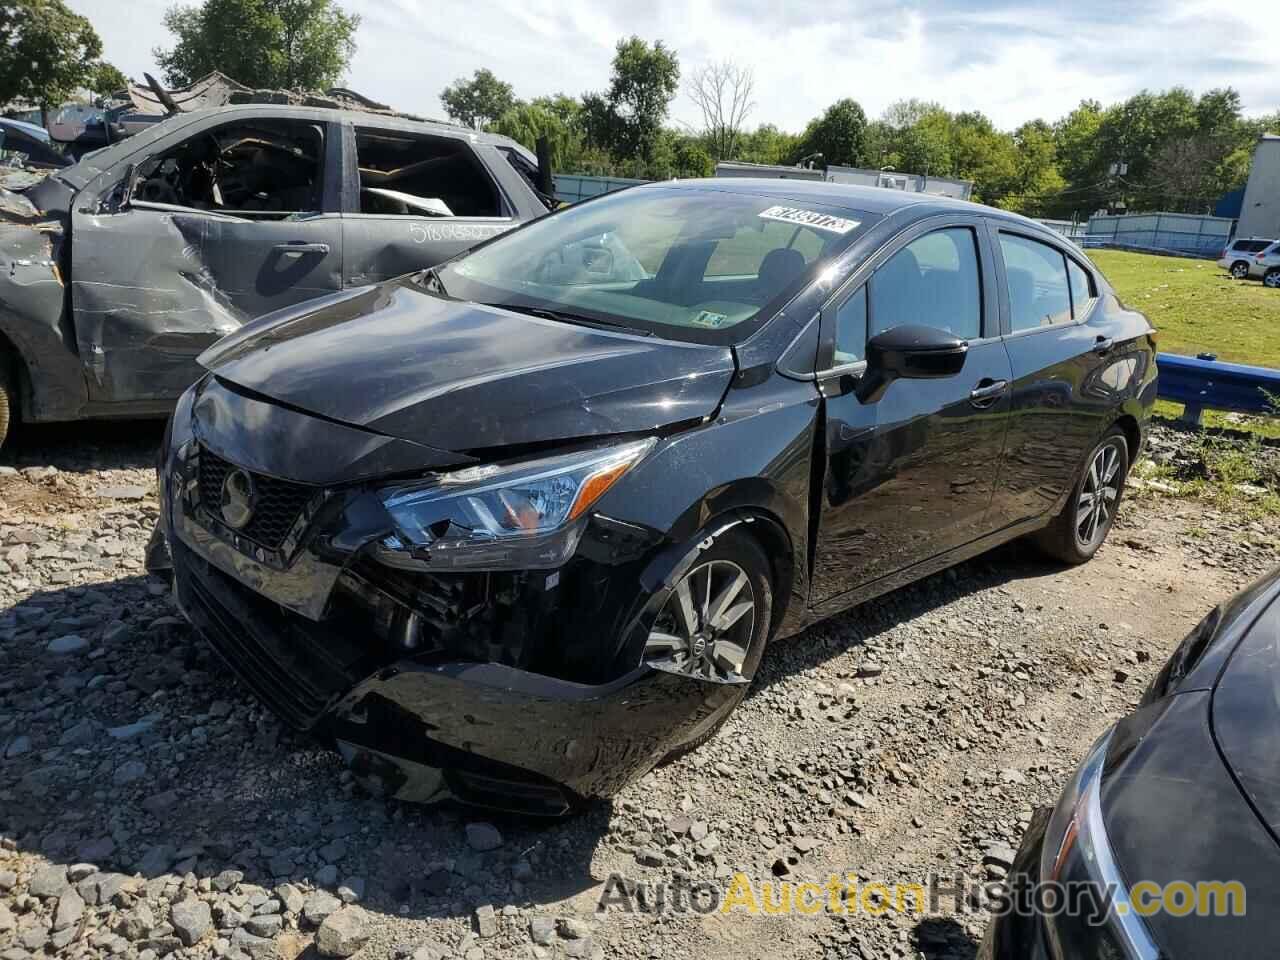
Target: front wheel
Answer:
pixel 1239 270
pixel 1272 278
pixel 714 624
pixel 8 397
pixel 1077 532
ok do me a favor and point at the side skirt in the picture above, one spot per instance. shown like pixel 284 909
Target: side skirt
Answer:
pixel 924 568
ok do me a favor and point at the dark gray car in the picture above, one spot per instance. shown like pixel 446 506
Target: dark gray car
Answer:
pixel 118 271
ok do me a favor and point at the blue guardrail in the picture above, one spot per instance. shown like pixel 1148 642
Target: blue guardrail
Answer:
pixel 1204 381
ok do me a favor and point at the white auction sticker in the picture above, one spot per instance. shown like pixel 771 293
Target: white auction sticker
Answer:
pixel 809 218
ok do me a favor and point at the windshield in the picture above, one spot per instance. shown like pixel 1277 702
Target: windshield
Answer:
pixel 705 265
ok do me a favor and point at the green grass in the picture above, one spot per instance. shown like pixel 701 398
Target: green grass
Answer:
pixel 1196 307
pixel 1262 426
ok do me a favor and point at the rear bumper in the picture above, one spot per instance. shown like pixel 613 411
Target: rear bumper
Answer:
pixel 483 733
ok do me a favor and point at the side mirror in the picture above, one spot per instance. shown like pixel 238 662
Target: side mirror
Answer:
pixel 910 352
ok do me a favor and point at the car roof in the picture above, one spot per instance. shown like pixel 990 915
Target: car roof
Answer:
pixel 390 121
pixel 876 200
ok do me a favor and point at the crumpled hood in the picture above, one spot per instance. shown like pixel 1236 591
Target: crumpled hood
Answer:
pixel 462 376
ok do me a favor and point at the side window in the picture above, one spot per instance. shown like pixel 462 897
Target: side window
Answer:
pixel 933 281
pixel 1082 292
pixel 267 167
pixel 410 175
pixel 851 329
pixel 1038 289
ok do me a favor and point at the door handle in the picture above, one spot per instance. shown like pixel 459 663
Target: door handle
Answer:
pixel 1102 346
pixel 987 392
pixel 296 250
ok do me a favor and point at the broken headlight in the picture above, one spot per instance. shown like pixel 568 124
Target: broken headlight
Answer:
pixel 523 515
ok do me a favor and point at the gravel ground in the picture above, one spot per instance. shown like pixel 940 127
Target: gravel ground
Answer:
pixel 151 808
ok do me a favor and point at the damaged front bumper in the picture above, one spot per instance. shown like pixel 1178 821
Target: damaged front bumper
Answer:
pixel 484 733
pixel 520 696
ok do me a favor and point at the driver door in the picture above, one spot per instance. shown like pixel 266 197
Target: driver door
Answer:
pixel 910 474
pixel 202 240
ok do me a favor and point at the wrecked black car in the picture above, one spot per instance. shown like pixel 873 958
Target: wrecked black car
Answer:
pixel 516 528
pixel 117 271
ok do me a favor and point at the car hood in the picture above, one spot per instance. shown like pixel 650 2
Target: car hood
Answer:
pixel 398 360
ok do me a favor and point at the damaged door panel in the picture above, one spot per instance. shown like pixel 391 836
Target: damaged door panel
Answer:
pixel 207 240
pixel 32 305
pixel 415 199
pixel 117 271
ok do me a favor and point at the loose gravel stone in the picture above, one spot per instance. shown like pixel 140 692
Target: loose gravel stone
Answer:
pixel 342 933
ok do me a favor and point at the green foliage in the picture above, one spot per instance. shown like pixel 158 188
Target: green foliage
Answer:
pixel 527 122
pixel 767 144
pixel 285 44
pixel 47 52
pixel 627 119
pixel 478 101
pixel 839 135
pixel 105 79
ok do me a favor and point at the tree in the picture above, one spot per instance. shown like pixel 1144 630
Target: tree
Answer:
pixel 275 44
pixel 527 122
pixel 768 144
pixel 839 135
pixel 627 119
pixel 478 101
pixel 46 52
pixel 722 92
pixel 105 79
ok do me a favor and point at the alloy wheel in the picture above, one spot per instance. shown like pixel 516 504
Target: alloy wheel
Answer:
pixel 706 626
pixel 1239 271
pixel 1272 279
pixel 1095 507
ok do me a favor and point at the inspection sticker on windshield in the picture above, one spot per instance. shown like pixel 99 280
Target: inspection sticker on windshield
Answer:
pixel 809 218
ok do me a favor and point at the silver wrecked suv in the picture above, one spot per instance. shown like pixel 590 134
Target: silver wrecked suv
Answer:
pixel 1238 256
pixel 1265 266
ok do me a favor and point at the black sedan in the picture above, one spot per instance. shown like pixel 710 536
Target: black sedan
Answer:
pixel 1167 833
pixel 514 529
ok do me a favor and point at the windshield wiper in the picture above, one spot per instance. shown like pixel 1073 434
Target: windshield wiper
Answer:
pixel 565 316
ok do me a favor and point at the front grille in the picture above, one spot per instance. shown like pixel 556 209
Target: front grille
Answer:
pixel 296 667
pixel 278 504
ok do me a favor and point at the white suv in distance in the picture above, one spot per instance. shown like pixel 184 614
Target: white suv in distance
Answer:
pixel 1237 258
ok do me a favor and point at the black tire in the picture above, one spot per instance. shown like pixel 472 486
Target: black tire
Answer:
pixel 8 397
pixel 1272 278
pixel 1239 270
pixel 1064 538
pixel 733 547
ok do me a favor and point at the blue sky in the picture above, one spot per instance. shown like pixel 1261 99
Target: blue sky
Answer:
pixel 1013 60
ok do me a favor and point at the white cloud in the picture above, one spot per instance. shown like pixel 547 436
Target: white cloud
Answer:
pixel 1012 60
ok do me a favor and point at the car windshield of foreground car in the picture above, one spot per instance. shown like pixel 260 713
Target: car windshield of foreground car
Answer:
pixel 706 265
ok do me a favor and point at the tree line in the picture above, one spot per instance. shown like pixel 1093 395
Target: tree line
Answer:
pixel 1158 150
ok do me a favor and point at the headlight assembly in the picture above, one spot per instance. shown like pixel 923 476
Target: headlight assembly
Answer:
pixel 1077 849
pixel 524 515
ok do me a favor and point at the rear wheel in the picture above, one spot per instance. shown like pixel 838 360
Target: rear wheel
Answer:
pixel 1240 269
pixel 8 396
pixel 1272 278
pixel 715 623
pixel 1078 531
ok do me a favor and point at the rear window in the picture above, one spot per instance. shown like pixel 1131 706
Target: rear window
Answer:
pixel 1251 246
pixel 410 175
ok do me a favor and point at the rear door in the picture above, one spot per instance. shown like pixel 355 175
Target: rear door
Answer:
pixel 910 476
pixel 220 223
pixel 413 199
pixel 1069 368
